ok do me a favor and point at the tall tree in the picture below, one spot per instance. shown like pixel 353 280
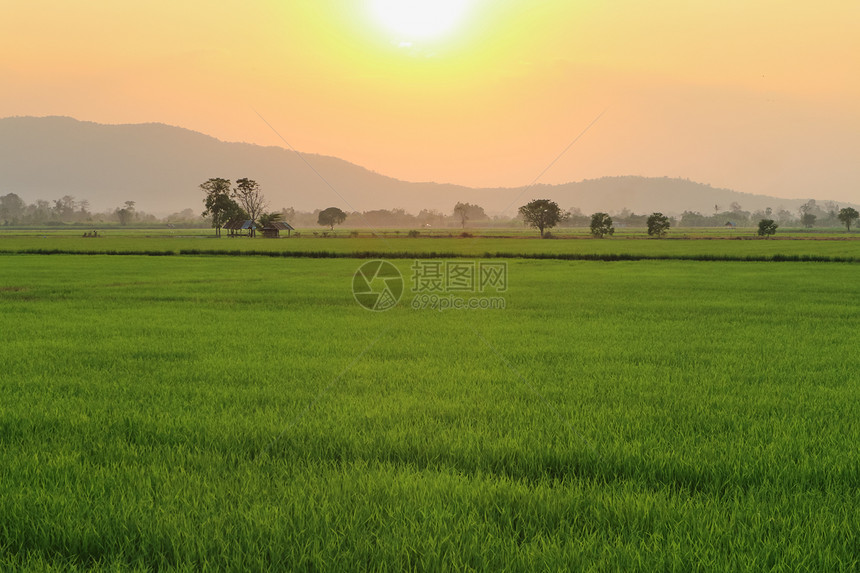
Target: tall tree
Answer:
pixel 250 197
pixel 542 214
pixel 807 213
pixel 461 211
pixel 39 211
pixel 848 215
pixel 126 214
pixel 469 212
pixel 331 217
pixel 64 208
pixel 219 205
pixel 12 208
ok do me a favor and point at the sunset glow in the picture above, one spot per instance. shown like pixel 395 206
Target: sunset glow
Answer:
pixel 478 92
pixel 419 19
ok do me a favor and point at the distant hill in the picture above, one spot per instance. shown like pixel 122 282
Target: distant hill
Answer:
pixel 160 167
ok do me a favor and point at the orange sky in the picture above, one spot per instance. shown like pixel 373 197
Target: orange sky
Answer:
pixel 762 97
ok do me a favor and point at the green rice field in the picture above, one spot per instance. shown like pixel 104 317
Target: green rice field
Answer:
pixel 718 245
pixel 245 413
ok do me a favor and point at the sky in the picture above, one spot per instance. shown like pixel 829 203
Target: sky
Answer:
pixel 758 96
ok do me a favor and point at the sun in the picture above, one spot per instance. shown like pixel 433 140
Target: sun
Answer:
pixel 419 19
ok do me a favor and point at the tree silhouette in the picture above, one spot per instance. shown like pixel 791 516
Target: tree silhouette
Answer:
pixel 248 194
pixel 542 214
pixel 126 214
pixel 219 205
pixel 847 216
pixel 331 217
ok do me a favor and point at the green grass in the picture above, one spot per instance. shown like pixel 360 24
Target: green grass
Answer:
pixel 671 248
pixel 246 414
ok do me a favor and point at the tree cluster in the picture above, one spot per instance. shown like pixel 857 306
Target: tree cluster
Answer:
pixel 67 210
pixel 331 217
pixel 400 218
pixel 465 212
pixel 245 200
pixel 543 214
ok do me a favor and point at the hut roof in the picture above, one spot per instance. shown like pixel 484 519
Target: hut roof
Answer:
pixel 238 224
pixel 279 225
pixel 231 224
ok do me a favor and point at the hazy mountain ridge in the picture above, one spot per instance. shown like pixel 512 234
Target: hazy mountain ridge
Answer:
pixel 160 167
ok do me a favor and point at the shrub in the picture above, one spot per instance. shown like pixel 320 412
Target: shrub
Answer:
pixel 658 224
pixel 413 234
pixel 601 225
pixel 766 227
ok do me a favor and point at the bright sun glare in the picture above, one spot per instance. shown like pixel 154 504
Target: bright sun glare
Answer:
pixel 419 19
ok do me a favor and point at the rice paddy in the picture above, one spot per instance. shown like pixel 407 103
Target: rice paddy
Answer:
pixel 245 413
pixel 717 245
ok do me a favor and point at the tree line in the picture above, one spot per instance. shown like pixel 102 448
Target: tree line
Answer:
pixel 810 214
pixel 543 214
pixel 223 200
pixel 68 210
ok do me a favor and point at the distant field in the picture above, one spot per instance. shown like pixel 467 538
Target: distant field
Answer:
pixel 722 244
pixel 245 413
pixel 447 232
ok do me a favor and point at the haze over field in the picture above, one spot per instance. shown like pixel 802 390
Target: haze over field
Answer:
pixel 159 167
pixel 762 98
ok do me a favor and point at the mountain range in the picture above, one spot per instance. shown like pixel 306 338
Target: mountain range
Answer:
pixel 160 167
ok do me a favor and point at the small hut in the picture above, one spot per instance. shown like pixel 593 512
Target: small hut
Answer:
pixel 237 227
pixel 273 229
